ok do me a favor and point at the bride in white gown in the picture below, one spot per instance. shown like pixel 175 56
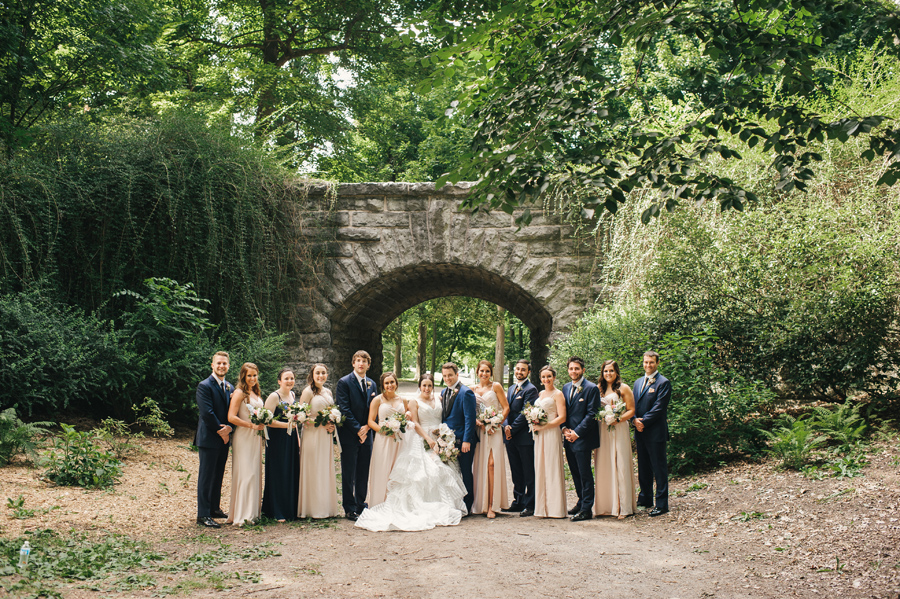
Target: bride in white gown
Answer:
pixel 423 492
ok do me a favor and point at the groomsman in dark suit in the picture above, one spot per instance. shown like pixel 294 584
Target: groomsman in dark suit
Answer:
pixel 213 440
pixel 458 404
pixel 651 405
pixel 581 436
pixel 353 394
pixel 519 440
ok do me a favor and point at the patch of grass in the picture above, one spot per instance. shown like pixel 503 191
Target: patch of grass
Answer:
pixel 20 512
pixel 317 523
pixel 747 516
pixel 260 524
pixel 836 494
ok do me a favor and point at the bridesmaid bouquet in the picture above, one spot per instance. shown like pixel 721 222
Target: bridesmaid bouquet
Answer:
pixel 490 418
pixel 610 413
pixel 444 443
pixel 395 425
pixel 330 415
pixel 297 415
pixel 535 415
pixel 264 417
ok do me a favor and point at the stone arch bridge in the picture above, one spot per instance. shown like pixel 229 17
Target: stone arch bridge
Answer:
pixel 386 247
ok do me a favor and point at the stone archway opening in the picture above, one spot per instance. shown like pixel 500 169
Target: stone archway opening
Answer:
pixel 358 321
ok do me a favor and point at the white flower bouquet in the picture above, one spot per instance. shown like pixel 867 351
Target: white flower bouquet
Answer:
pixel 261 416
pixel 297 414
pixel 444 443
pixel 610 413
pixel 490 419
pixel 330 415
pixel 535 415
pixel 395 425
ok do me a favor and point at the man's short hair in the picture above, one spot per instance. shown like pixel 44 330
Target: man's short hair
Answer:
pixel 362 354
pixel 224 354
pixel 450 366
pixel 652 354
pixel 577 360
pixel 527 363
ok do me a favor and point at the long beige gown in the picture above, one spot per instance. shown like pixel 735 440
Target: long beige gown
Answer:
pixel 549 473
pixel 246 468
pixel 318 481
pixel 614 469
pixel 384 454
pixel 487 445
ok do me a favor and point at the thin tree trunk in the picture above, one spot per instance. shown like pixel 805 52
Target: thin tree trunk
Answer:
pixel 420 355
pixel 499 350
pixel 433 347
pixel 398 344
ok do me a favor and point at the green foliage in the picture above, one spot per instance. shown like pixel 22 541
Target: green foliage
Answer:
pixel 557 92
pixel 76 461
pixel 619 332
pixel 150 416
pixel 55 355
pixel 842 425
pixel 793 442
pixel 129 199
pixel 802 297
pixel 711 410
pixel 19 437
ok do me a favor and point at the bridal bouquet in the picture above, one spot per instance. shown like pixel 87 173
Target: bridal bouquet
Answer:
pixel 261 416
pixel 297 414
pixel 535 415
pixel 490 418
pixel 444 443
pixel 395 425
pixel 610 413
pixel 330 415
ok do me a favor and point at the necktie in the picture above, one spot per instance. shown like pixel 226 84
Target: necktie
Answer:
pixel 362 385
pixel 644 386
pixel 222 384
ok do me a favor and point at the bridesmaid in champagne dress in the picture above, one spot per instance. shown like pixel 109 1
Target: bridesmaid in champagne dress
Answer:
pixel 318 480
pixel 491 494
pixel 614 468
pixel 385 448
pixel 282 477
pixel 246 448
pixel 549 473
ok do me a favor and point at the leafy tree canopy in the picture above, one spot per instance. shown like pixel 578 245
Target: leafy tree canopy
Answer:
pixel 555 110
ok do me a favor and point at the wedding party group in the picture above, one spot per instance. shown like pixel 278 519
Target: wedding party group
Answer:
pixel 413 464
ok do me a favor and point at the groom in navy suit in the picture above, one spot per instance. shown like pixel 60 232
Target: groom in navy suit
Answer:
pixel 519 440
pixel 213 440
pixel 353 395
pixel 651 406
pixel 581 435
pixel 458 403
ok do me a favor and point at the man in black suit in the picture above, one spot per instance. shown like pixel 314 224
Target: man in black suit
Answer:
pixel 581 434
pixel 213 440
pixel 458 412
pixel 651 406
pixel 353 395
pixel 519 440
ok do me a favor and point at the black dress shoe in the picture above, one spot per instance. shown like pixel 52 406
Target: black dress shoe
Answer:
pixel 513 508
pixel 657 512
pixel 208 522
pixel 526 513
pixel 352 516
pixel 219 514
pixel 582 515
pixel 574 510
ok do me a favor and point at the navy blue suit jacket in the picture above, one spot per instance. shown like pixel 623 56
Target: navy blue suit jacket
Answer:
pixel 350 400
pixel 652 406
pixel 516 420
pixel 462 415
pixel 581 409
pixel 213 406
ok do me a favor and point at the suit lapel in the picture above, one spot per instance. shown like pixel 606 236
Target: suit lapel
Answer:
pixel 222 395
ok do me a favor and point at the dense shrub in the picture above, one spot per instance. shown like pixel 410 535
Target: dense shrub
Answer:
pixel 54 357
pixel 75 460
pixel 19 437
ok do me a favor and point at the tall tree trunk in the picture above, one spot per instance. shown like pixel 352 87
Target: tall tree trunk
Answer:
pixel 499 350
pixel 433 347
pixel 398 345
pixel 420 355
pixel 512 363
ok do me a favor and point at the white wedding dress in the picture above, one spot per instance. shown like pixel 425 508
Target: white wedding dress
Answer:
pixel 423 492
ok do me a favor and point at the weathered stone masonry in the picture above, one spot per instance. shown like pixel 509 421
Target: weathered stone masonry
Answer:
pixel 386 247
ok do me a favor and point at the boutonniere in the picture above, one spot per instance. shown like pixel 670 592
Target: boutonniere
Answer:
pixel 578 389
pixel 368 384
pixel 652 380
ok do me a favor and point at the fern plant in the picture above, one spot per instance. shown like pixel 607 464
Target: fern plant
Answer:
pixel 794 442
pixel 844 425
pixel 18 437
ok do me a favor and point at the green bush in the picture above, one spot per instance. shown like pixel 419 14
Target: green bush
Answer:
pixel 55 357
pixel 793 442
pixel 711 411
pixel 76 461
pixel 19 437
pixel 843 425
